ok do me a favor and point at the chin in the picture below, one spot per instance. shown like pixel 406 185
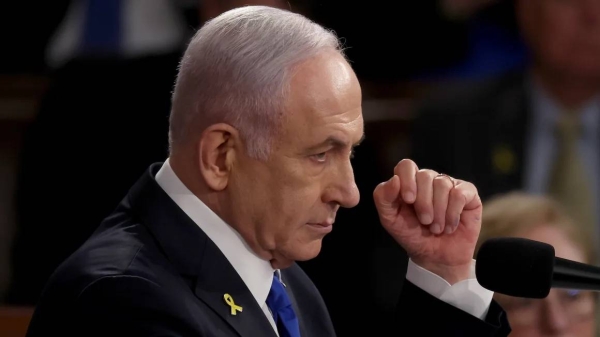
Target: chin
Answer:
pixel 305 251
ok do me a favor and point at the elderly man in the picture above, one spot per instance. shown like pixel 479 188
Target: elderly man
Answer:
pixel 266 112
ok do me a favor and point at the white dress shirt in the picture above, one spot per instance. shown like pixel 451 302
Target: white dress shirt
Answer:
pixel 257 273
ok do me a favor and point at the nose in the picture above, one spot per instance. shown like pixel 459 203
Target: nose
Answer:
pixel 342 189
pixel 555 320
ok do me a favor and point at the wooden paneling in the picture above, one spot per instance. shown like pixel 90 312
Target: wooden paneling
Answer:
pixel 14 321
pixel 19 98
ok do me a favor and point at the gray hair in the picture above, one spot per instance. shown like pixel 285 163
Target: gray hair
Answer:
pixel 237 69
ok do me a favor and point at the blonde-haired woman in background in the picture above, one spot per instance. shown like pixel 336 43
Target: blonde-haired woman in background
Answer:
pixel 564 312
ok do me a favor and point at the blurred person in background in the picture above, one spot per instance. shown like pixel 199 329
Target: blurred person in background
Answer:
pixel 492 42
pixel 392 41
pixel 534 129
pixel 436 38
pixel 563 312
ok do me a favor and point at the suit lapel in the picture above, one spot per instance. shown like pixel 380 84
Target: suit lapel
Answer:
pixel 290 293
pixel 196 257
pixel 218 278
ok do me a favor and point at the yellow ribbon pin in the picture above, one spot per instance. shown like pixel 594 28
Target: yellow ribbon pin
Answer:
pixel 231 303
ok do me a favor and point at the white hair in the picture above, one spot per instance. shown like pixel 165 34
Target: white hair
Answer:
pixel 237 69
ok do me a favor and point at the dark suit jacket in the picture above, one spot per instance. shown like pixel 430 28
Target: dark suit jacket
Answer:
pixel 149 270
pixel 476 132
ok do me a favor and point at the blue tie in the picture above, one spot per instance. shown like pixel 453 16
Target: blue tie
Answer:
pixel 282 311
pixel 102 29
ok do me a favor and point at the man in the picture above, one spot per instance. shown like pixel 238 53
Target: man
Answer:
pixel 266 112
pixel 536 129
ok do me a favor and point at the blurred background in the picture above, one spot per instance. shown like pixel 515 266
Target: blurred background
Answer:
pixel 503 93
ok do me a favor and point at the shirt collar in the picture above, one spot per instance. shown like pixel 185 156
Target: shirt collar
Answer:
pixel 546 110
pixel 256 273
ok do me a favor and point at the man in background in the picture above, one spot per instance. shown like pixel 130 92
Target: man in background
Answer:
pixel 534 129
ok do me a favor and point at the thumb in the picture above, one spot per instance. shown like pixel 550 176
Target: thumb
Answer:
pixel 385 196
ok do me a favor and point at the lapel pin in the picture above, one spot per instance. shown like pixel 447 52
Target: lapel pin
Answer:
pixel 231 303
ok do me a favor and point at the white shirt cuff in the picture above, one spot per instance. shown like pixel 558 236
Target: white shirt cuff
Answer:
pixel 466 295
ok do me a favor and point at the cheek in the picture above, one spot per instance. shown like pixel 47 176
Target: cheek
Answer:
pixel 296 195
pixel 291 197
pixel 297 205
pixel 295 208
pixel 557 44
pixel 556 32
pixel 584 329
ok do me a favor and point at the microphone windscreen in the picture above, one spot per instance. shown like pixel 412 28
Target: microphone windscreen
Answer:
pixel 516 267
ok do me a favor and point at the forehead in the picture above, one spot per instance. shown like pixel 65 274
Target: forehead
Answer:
pixel 325 96
pixel 564 247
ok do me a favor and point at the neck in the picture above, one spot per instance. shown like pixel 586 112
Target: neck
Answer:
pixel 569 91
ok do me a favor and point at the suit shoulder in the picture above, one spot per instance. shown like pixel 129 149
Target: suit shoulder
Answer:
pixel 120 246
pixel 302 286
pixel 113 289
pixel 313 310
pixel 116 305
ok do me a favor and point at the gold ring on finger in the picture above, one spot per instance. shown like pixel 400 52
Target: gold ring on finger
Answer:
pixel 449 177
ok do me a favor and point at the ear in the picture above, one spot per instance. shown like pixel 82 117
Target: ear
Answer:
pixel 218 146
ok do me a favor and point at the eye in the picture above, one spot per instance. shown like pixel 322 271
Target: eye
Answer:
pixel 571 295
pixel 521 303
pixel 320 157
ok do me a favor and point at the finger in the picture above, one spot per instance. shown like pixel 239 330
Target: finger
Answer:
pixel 424 201
pixel 441 189
pixel 406 170
pixel 385 197
pixel 462 197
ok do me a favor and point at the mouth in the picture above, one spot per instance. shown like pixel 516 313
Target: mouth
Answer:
pixel 323 227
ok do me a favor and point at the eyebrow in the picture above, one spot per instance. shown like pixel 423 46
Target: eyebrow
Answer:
pixel 336 142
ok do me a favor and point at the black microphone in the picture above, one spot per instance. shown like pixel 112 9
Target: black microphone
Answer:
pixel 527 268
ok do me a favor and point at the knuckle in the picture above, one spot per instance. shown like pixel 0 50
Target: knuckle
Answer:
pixel 459 195
pixel 456 193
pixel 424 175
pixel 407 161
pixel 377 190
pixel 443 182
pixel 429 172
pixel 471 187
pixel 404 163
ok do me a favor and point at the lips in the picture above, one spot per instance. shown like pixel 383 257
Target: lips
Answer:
pixel 322 224
pixel 322 227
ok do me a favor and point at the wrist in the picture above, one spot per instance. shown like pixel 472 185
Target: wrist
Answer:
pixel 451 273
